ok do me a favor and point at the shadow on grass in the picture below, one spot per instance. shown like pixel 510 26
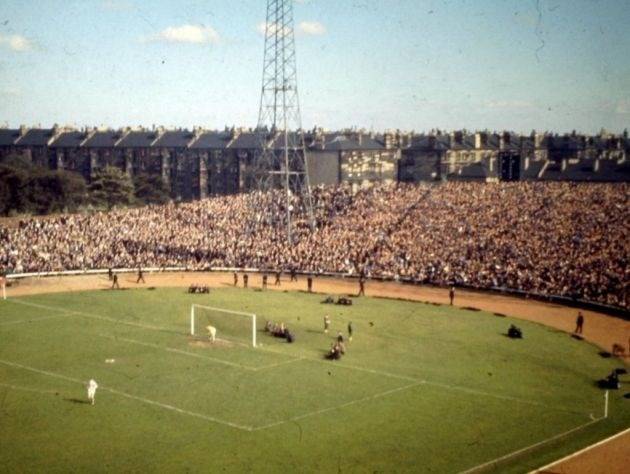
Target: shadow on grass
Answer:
pixel 77 401
pixel 500 315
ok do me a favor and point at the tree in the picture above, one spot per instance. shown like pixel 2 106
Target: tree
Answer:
pixel 150 189
pixel 111 187
pixel 14 195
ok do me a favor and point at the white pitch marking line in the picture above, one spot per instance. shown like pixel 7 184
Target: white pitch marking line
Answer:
pixel 376 372
pixel 26 389
pixel 156 328
pixel 499 396
pixel 577 453
pixel 338 407
pixel 350 367
pixel 132 397
pixel 177 351
pixel 33 320
pixel 528 448
pixel 271 366
pixel 93 316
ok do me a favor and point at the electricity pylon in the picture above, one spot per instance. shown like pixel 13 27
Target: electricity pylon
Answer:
pixel 281 161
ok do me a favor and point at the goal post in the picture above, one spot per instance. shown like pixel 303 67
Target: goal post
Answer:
pixel 235 326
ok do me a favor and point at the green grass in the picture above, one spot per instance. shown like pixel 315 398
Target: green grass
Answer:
pixel 423 388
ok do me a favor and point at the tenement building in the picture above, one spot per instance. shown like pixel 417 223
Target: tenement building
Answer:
pixel 198 163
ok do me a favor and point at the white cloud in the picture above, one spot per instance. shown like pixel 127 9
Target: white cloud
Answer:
pixel 623 106
pixel 314 28
pixel 10 91
pixel 509 104
pixel 192 34
pixel 16 42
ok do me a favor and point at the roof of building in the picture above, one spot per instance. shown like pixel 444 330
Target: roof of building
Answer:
pixel 429 142
pixel 69 140
pixel 104 139
pixel 36 137
pixel 175 139
pixel 247 140
pixel 138 139
pixel 212 140
pixel 8 136
pixel 342 141
pixel 565 142
pixel 462 142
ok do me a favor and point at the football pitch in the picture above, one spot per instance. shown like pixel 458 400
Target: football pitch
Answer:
pixel 422 388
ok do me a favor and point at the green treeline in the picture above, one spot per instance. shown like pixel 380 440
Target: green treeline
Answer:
pixel 29 189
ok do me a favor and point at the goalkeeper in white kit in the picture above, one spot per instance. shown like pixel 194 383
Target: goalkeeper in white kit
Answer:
pixel 91 388
pixel 212 332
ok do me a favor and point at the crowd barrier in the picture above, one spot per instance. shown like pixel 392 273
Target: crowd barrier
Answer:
pixel 562 300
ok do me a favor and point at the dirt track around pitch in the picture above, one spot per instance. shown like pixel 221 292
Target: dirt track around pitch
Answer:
pixel 599 328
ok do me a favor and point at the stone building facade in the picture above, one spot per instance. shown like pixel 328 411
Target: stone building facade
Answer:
pixel 198 163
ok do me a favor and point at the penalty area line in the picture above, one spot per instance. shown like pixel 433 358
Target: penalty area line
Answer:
pixel 93 316
pixel 26 389
pixel 33 320
pixel 177 351
pixel 132 397
pixel 338 407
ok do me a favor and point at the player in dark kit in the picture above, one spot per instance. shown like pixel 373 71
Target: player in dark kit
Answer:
pixel 309 284
pixel 579 323
pixel 115 282
pixel 277 282
pixel 110 274
pixel 264 281
pixel 361 285
pixel 235 278
pixel 293 274
pixel 245 278
pixel 140 276
pixel 451 294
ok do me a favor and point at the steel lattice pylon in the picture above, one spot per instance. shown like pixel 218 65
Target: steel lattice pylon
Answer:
pixel 281 161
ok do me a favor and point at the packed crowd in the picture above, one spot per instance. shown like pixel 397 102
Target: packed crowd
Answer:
pixel 550 238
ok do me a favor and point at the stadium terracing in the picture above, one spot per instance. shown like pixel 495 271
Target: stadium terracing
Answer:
pixel 548 239
pixel 199 163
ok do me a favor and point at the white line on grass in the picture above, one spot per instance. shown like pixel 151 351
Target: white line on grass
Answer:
pixel 337 364
pixel 33 320
pixel 577 453
pixel 127 395
pixel 93 316
pixel 159 328
pixel 499 396
pixel 177 351
pixel 481 467
pixel 26 389
pixel 338 407
pixel 278 364
pixel 198 356
pixel 350 367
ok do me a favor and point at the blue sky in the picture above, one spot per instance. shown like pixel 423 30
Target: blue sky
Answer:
pixel 410 64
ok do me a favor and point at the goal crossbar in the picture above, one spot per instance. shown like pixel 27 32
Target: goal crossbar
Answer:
pixel 222 310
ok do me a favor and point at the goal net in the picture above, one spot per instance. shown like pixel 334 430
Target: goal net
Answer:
pixel 234 326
